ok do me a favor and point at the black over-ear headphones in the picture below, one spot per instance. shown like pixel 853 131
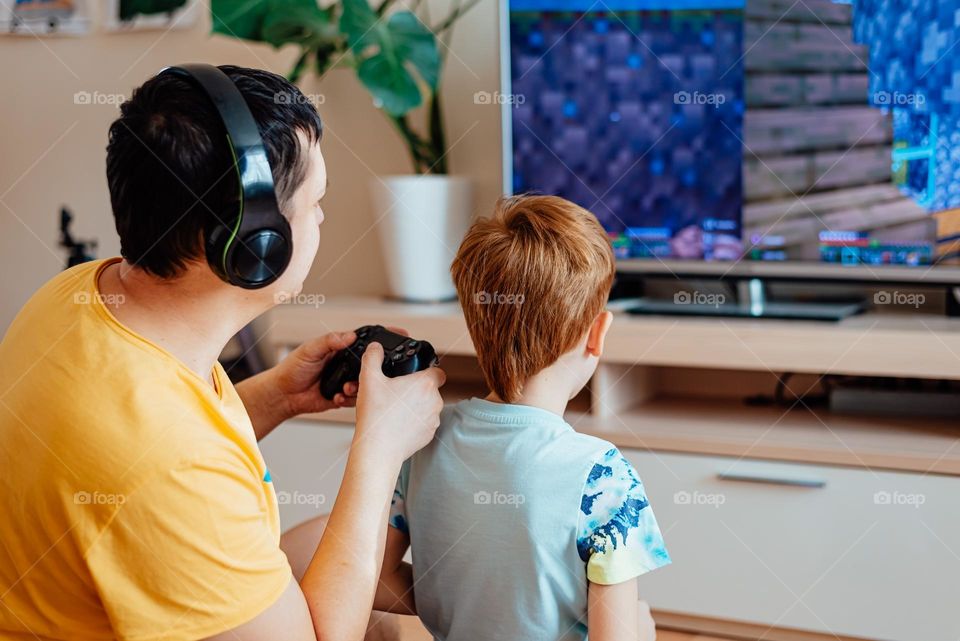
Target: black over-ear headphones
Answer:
pixel 253 248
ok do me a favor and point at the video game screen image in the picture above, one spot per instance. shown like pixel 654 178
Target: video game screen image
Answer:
pixel 744 129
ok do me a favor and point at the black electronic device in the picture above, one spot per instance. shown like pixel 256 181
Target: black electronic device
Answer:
pixel 401 355
pixel 81 251
pixel 252 248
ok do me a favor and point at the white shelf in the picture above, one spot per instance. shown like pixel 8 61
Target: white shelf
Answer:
pixel 626 405
pixel 728 428
pixel 910 346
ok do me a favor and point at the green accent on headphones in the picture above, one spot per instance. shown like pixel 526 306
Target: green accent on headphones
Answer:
pixel 236 227
pixel 259 225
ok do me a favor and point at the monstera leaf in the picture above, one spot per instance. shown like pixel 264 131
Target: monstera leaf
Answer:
pixel 387 51
pixel 302 23
pixel 282 22
pixel 394 54
pixel 278 22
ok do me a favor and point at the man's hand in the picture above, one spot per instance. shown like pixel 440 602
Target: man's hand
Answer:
pixel 397 415
pixel 292 386
pixel 297 376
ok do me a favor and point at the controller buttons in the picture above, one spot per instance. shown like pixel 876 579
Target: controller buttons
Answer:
pixel 411 352
pixel 399 348
pixel 396 357
pixel 412 343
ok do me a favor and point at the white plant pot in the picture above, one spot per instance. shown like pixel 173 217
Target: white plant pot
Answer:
pixel 421 221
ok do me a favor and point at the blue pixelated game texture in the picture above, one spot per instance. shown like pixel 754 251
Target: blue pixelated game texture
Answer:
pixel 914 67
pixel 633 111
pixel 612 114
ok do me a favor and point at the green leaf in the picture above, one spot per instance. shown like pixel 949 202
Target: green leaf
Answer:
pixel 303 23
pixel 357 21
pixel 277 22
pixel 239 18
pixel 392 86
pixel 417 44
pixel 387 51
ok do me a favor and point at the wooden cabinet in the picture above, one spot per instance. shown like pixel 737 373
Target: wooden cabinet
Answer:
pixel 841 551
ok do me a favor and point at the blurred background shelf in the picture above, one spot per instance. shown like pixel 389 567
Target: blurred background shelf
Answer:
pixel 679 385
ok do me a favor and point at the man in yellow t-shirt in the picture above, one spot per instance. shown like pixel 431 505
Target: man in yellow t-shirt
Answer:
pixel 135 502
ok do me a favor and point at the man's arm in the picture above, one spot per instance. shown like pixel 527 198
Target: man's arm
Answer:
pixel 333 600
pixel 341 580
pixel 288 618
pixel 395 418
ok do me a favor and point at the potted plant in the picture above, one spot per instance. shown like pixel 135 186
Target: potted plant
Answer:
pixel 397 57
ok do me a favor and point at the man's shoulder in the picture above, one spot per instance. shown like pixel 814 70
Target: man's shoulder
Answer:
pixel 85 400
pixel 54 305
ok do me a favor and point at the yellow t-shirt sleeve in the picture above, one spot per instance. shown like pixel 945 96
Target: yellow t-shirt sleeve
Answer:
pixel 189 554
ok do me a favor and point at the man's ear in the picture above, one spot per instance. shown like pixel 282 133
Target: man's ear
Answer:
pixel 598 332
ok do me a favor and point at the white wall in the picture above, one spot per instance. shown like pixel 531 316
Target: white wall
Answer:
pixel 53 149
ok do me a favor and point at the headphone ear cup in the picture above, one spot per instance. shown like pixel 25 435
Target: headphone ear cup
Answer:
pixel 260 258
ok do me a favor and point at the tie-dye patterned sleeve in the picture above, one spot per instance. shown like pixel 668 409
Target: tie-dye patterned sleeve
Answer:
pixel 398 506
pixel 618 536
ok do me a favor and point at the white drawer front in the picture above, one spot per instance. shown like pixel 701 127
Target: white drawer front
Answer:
pixel 306 460
pixel 832 550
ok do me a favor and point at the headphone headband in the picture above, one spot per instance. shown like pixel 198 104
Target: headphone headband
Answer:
pixel 254 248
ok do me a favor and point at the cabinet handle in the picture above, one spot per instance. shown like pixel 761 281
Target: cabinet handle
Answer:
pixel 771 480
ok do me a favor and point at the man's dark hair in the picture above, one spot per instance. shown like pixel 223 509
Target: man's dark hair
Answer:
pixel 170 170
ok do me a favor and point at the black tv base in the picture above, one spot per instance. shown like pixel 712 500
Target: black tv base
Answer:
pixel 831 312
pixel 751 301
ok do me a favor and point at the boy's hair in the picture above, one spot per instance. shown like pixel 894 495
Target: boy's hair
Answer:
pixel 169 167
pixel 531 279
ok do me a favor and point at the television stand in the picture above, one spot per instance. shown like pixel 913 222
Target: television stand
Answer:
pixel 785 311
pixel 751 303
pixel 669 392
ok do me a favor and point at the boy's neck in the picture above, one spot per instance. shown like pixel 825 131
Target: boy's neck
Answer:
pixel 546 390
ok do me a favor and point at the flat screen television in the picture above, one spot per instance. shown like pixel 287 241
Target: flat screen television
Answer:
pixel 817 140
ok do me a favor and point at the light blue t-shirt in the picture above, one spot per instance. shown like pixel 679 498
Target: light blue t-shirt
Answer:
pixel 510 512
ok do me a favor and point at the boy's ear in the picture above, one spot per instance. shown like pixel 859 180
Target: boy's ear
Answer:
pixel 598 332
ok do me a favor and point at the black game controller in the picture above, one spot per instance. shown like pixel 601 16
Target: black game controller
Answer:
pixel 401 355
